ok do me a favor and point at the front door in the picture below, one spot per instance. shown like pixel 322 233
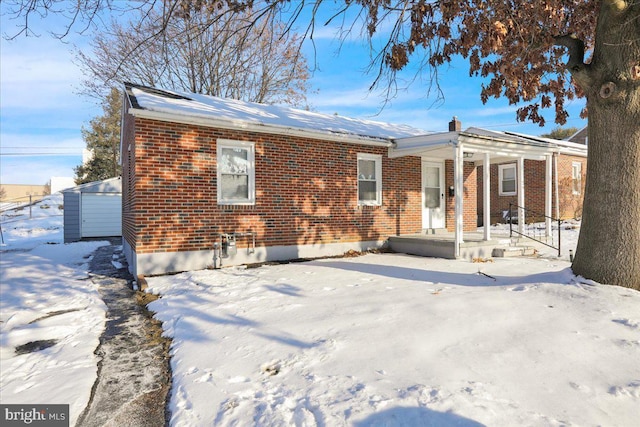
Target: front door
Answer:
pixel 432 195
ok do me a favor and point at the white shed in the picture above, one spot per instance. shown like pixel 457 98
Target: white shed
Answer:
pixel 93 210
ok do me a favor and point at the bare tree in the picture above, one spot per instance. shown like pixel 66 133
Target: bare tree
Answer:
pixel 200 50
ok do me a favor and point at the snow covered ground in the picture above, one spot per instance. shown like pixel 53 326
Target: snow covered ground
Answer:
pixel 47 300
pixel 381 339
pixel 397 340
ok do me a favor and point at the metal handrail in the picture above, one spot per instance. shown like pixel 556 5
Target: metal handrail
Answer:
pixel 525 210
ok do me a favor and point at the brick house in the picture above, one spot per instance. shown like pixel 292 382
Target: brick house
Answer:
pixel 569 168
pixel 209 182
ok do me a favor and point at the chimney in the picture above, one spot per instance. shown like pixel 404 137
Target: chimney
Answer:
pixel 455 125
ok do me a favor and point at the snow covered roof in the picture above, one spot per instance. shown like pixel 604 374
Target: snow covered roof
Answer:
pixel 110 185
pixel 566 146
pixel 212 111
pixel 478 140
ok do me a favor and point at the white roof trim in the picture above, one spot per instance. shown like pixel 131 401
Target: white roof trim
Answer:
pixel 260 128
pixel 109 185
pixel 474 140
pixel 564 146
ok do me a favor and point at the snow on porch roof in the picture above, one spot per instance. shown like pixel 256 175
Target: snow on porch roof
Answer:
pixel 475 140
pixel 213 111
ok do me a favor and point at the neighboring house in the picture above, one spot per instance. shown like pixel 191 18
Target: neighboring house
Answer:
pixel 580 137
pixel 59 183
pixel 93 210
pixel 210 182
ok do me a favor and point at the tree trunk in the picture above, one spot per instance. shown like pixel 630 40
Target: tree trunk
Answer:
pixel 609 244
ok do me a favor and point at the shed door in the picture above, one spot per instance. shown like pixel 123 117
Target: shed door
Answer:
pixel 101 215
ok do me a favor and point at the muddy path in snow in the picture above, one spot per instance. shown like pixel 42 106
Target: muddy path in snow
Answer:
pixel 134 375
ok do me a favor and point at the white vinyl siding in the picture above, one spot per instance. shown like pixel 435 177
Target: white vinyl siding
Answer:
pixel 369 179
pixel 576 177
pixel 507 180
pixel 236 172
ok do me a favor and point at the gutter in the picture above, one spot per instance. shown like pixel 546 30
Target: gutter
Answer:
pixel 533 143
pixel 260 128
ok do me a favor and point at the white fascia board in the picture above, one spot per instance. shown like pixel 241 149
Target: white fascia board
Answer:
pixel 563 146
pixel 260 128
pixel 573 149
pixel 419 151
pixel 422 144
pixel 573 152
pixel 473 143
pixel 428 139
pixel 507 147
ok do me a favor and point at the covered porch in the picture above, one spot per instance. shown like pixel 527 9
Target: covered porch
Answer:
pixel 474 246
pixel 461 153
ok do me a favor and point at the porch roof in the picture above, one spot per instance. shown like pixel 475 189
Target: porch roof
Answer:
pixel 475 142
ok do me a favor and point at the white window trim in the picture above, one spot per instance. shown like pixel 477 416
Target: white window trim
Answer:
pixel 574 166
pixel 377 158
pixel 501 169
pixel 250 146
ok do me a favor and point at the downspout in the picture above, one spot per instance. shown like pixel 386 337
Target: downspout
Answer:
pixel 486 195
pixel 548 195
pixel 458 172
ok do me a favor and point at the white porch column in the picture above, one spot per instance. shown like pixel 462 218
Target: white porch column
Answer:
pixel 548 194
pixel 486 195
pixel 458 177
pixel 521 195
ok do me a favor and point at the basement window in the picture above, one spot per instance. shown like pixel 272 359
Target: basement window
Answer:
pixel 507 180
pixel 369 179
pixel 236 172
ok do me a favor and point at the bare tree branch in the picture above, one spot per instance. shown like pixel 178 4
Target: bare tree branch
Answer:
pixel 195 50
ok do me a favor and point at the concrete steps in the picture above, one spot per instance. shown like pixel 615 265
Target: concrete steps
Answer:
pixel 513 251
pixel 435 231
pixel 440 244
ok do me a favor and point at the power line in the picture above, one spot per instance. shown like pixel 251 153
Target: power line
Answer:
pixel 57 147
pixel 41 154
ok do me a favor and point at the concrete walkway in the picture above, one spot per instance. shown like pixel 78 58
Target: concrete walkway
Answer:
pixel 134 376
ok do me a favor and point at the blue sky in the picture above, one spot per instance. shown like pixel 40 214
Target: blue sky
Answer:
pixel 41 114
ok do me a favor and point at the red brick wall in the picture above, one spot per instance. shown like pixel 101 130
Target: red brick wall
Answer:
pixel 469 201
pixel 534 195
pixel 128 180
pixel 570 204
pixel 306 191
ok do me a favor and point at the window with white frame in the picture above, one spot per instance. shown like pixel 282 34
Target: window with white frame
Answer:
pixel 507 180
pixel 369 179
pixel 236 172
pixel 576 177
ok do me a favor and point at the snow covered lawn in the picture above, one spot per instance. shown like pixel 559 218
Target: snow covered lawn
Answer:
pixel 47 302
pixel 391 339
pixel 382 339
